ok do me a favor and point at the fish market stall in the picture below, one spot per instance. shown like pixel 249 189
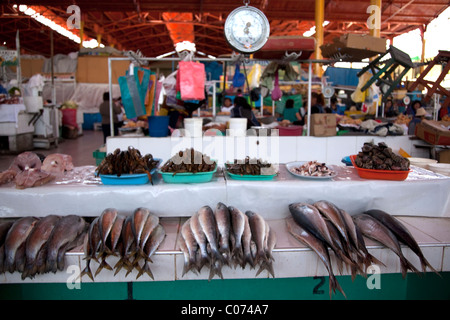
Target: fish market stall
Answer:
pixel 78 192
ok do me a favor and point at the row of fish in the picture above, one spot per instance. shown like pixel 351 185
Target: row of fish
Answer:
pixel 226 236
pixel 133 238
pixel 33 245
pixel 323 226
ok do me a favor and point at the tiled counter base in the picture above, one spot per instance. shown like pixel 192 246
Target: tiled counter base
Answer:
pixel 292 259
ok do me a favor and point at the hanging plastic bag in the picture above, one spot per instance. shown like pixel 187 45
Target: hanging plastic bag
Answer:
pixel 254 75
pixel 191 76
pixel 133 92
pixel 238 78
pixel 276 92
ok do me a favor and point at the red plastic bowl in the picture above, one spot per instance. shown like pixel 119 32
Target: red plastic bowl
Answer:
pixel 396 175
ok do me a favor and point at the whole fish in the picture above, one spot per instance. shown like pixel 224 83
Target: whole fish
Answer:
pixel 153 242
pixel 91 244
pixel 310 219
pixel 191 246
pixel 258 230
pixel 402 234
pixel 368 258
pixel 222 216
pixel 247 245
pixel 35 241
pixel 201 240
pixel 4 228
pixel 332 213
pixel 318 247
pixel 105 224
pixel 374 229
pixel 16 237
pixel 128 240
pixel 237 224
pixel 116 232
pixel 139 218
pixel 351 228
pixel 150 224
pixel 78 241
pixel 209 227
pixel 66 230
pixel 269 243
pixel 185 251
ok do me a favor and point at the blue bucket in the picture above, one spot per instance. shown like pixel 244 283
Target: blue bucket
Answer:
pixel 158 126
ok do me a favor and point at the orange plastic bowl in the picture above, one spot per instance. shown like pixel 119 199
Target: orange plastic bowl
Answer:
pixel 396 175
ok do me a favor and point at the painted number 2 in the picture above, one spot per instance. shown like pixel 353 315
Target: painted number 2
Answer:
pixel 317 289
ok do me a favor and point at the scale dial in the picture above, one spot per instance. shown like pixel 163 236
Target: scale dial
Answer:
pixel 247 29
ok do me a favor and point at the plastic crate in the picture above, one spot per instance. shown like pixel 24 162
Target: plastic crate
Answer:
pixel 98 156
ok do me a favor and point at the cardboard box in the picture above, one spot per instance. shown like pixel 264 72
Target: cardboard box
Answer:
pixel 323 125
pixel 355 46
pixel 94 69
pixel 434 132
pixel 443 156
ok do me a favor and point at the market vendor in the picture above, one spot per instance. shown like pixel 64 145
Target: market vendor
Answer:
pixel 444 113
pixel 420 115
pixel 317 103
pixel 390 109
pixel 412 109
pixel 290 112
pixel 106 119
pixel 242 109
pixel 332 108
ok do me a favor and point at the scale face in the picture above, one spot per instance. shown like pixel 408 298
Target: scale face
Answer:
pixel 247 29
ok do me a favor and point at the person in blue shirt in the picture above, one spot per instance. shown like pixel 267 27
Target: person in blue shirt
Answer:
pixel 289 112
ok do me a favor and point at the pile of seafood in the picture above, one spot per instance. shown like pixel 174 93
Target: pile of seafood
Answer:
pixel 38 245
pixel 127 162
pixel 226 236
pixel 250 167
pixel 189 160
pixel 28 170
pixel 313 169
pixel 322 226
pixel 380 157
pixel 133 238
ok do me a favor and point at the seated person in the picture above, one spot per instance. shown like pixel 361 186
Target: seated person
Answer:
pixel 242 109
pixel 289 112
pixel 333 108
pixel 227 105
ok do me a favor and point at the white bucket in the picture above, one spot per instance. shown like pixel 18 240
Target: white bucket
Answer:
pixel 33 103
pixel 237 127
pixel 194 127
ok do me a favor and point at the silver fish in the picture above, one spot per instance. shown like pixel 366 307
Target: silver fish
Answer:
pixel 128 240
pixel 208 224
pixel 155 240
pixel 35 241
pixel 332 213
pixel 238 224
pixel 247 245
pixel 258 230
pixel 318 247
pixel 106 222
pixel 201 240
pixel 65 231
pixel 191 246
pixel 372 228
pixel 15 238
pixel 402 234
pixel 116 233
pixel 222 216
pixel 139 218
pixel 91 245
pixel 150 224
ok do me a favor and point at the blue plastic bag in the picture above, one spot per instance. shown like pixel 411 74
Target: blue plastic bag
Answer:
pixel 134 91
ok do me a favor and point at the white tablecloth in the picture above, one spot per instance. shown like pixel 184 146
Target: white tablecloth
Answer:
pixel 422 194
pixel 9 112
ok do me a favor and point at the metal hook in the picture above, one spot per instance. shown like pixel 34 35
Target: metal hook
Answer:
pixel 246 2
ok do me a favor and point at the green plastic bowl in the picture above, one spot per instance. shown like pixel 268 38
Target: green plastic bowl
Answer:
pixel 255 177
pixel 188 177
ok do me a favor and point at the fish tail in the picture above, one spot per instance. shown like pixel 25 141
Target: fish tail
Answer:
pixel 87 271
pixel 334 284
pixel 147 270
pixel 215 269
pixel 405 265
pixel 424 262
pixel 266 266
pixel 237 253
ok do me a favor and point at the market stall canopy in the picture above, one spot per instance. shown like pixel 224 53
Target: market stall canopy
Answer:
pixel 152 26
